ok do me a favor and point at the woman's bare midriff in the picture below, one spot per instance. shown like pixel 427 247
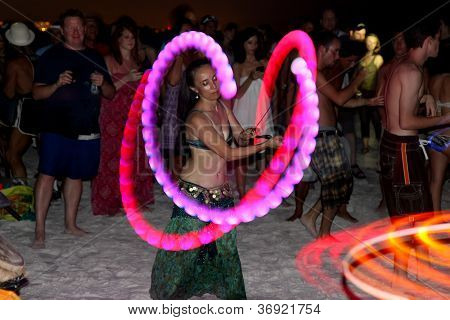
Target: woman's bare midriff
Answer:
pixel 205 168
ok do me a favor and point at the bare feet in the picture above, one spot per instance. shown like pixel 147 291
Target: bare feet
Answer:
pixel 75 231
pixel 295 216
pixel 346 216
pixel 38 244
pixel 309 225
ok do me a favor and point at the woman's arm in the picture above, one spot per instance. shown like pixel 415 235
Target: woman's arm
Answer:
pixel 202 128
pixel 241 89
pixel 378 61
pixel 236 127
pixel 175 72
pixel 118 83
pixel 359 102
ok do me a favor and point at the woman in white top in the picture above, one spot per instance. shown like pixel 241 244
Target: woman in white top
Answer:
pixel 248 73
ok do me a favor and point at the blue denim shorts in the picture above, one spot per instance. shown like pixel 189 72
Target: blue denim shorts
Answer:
pixel 64 157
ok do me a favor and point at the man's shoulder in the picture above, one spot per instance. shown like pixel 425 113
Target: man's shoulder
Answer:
pixel 405 71
pixel 17 62
pixel 407 68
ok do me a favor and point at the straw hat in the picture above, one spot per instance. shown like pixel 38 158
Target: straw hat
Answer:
pixel 19 35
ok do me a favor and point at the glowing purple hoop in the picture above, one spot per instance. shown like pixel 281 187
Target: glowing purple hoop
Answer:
pixel 270 187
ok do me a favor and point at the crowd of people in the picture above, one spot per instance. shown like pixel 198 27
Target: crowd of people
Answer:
pixel 71 87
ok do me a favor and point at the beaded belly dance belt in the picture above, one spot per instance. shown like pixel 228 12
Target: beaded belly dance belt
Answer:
pixel 208 195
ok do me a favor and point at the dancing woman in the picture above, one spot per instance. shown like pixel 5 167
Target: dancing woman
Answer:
pixel 210 128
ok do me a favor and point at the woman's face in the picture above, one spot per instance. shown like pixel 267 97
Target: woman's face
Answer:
pixel 251 45
pixel 206 83
pixel 371 43
pixel 127 40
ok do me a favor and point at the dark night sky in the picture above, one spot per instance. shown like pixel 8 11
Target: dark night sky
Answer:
pixel 245 12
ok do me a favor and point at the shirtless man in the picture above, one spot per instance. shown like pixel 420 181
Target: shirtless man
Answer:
pixel 400 53
pixel 329 160
pixel 403 172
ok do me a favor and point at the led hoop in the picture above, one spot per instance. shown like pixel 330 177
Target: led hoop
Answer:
pixel 270 187
pixel 146 231
pixel 376 292
pixel 364 264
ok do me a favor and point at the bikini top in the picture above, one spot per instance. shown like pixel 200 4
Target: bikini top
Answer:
pixel 199 144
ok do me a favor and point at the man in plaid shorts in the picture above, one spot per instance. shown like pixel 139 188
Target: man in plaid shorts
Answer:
pixel 329 160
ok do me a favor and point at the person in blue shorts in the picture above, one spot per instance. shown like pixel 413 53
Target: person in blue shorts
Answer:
pixel 71 80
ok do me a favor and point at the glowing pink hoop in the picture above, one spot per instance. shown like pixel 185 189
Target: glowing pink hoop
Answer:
pixel 267 193
pixel 270 187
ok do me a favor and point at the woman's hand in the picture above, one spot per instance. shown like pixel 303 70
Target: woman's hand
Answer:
pixel 275 142
pixel 376 101
pixel 246 136
pixel 430 105
pixel 255 75
pixel 134 75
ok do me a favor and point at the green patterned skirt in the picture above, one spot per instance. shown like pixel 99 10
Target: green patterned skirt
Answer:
pixel 214 268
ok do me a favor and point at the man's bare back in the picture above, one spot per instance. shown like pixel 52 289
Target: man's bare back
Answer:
pixel 19 77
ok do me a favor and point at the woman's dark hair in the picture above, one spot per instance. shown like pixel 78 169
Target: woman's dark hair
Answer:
pixel 115 48
pixel 186 102
pixel 188 98
pixel 242 37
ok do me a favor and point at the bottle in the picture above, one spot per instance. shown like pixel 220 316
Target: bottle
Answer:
pixel 94 89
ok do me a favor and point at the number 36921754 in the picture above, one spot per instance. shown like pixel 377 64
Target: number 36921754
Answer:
pixel 299 308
